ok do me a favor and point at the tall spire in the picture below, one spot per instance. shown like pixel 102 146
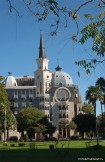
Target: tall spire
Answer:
pixel 41 48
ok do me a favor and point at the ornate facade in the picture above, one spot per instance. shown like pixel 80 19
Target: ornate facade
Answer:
pixel 52 92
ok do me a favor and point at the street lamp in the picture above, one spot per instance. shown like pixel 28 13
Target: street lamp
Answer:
pixel 4 121
pixel 103 103
pixel 5 124
pixel 94 104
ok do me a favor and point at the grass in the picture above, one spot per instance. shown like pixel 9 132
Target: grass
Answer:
pixel 65 152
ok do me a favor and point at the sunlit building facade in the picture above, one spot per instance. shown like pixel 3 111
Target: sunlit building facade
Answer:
pixel 52 92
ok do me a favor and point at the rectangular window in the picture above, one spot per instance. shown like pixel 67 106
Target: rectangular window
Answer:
pixel 23 91
pixel 31 91
pixel 15 92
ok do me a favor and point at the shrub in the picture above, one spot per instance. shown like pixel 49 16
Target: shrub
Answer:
pixel 12 145
pixel 74 137
pixel 13 138
pixel 21 144
pixel 26 139
pixel 51 147
pixel 51 139
pixel 5 144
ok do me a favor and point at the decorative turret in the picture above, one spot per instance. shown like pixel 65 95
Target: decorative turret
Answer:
pixel 10 81
pixel 58 68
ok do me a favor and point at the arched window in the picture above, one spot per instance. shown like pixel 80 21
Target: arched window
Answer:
pixel 63 107
pixel 60 84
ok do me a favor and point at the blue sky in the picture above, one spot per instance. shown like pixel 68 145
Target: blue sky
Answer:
pixel 19 47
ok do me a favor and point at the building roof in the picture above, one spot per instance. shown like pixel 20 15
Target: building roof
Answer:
pixel 62 79
pixel 10 81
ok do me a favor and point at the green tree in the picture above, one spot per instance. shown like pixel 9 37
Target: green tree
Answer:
pixel 49 129
pixel 28 118
pixel 88 108
pixel 5 106
pixel 3 94
pixel 93 94
pixel 71 125
pixel 85 123
pixel 33 121
pixel 11 122
pixel 101 83
pixel 101 124
pixel 65 125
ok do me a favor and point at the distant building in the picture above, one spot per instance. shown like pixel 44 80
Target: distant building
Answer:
pixel 52 92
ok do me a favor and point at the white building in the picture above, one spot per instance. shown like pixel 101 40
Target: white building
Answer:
pixel 52 92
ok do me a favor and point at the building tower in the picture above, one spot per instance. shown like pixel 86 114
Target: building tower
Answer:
pixel 43 78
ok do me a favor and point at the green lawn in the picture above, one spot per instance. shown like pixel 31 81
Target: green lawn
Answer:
pixel 64 152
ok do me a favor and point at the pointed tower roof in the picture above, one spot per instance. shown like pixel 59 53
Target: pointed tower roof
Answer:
pixel 41 48
pixel 58 68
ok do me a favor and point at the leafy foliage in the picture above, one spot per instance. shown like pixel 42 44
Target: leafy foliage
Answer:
pixel 88 108
pixel 68 125
pixel 101 83
pixel 28 117
pixel 93 94
pixel 95 31
pixel 63 14
pixel 85 122
pixel 33 120
pixel 4 104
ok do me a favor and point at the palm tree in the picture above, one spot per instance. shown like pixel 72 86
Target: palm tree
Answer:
pixel 101 83
pixel 67 126
pixel 88 108
pixel 71 126
pixel 93 94
pixel 62 127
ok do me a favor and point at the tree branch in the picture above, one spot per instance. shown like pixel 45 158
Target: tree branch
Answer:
pixel 82 6
pixel 11 7
pixel 103 2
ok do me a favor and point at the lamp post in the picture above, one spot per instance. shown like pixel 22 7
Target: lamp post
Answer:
pixel 94 104
pixel 102 120
pixel 5 122
pixel 103 103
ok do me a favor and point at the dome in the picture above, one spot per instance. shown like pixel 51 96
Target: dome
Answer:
pixel 62 78
pixel 10 81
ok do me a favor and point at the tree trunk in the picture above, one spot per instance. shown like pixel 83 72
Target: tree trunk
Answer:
pixel 102 122
pixel 7 133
